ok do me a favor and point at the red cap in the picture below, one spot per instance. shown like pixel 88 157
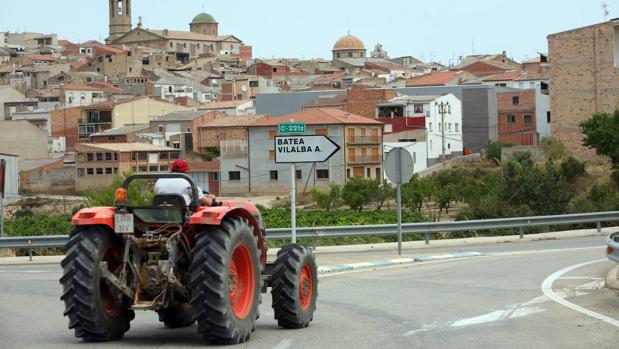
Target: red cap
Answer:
pixel 180 166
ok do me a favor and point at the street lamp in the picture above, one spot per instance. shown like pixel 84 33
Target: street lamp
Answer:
pixel 443 108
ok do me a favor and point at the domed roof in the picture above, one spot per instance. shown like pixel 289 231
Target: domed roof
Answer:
pixel 348 42
pixel 203 18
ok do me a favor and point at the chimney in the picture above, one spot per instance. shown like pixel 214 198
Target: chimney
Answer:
pixel 165 32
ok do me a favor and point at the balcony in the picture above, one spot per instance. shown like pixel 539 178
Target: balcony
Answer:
pixel 363 140
pixel 357 160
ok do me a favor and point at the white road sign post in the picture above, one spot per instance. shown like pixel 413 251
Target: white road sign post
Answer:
pixel 301 149
pixel 399 169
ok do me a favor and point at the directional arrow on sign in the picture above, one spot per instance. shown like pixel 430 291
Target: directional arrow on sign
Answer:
pixel 299 149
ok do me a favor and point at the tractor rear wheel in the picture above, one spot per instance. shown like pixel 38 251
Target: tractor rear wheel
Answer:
pixel 295 286
pixel 94 312
pixel 225 281
pixel 176 316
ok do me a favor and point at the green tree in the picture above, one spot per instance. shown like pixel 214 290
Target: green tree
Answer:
pixel 327 200
pixel 553 148
pixel 493 152
pixel 358 192
pixel 384 192
pixel 571 169
pixel 602 133
pixel 140 193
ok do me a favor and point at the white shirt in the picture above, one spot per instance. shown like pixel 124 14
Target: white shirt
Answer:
pixel 176 186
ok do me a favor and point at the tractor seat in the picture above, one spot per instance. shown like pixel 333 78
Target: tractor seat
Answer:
pixel 169 200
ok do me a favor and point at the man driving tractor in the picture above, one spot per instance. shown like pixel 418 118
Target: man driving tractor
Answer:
pixel 181 186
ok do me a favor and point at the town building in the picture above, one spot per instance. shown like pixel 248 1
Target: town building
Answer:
pixel 97 165
pixel 104 116
pixel 441 78
pixel 348 47
pixel 251 168
pixel 180 129
pixel 584 86
pixel 65 125
pixel 120 19
pixel 225 132
pixel 410 119
pixel 232 108
pixel 517 117
pixel 23 139
pixel 116 62
pixel 13 101
pixel 76 95
pixel 483 65
pixel 123 134
pixel 11 184
pixel 46 176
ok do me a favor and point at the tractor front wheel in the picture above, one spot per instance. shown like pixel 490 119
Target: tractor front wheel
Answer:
pixel 295 286
pixel 94 312
pixel 225 281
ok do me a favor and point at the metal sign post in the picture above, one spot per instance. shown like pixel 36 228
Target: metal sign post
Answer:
pixel 2 189
pixel 293 203
pixel 300 149
pixel 399 169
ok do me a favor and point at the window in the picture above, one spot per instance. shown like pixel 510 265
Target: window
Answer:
pixel 528 120
pixel 115 170
pixel 368 173
pixel 171 45
pixel 457 127
pixel 272 134
pixel 349 54
pixel 418 108
pixel 164 168
pixel 89 157
pixel 142 155
pixel 322 174
pixel 90 171
pixel 548 116
pixel 153 168
pixel 234 175
pixel 99 170
pixel 271 154
pixel 143 168
pixel 80 172
pixel 99 156
pixel 134 156
pixel 298 174
pixel 273 175
pixel 337 55
pixel 430 126
pixel 174 155
pixel 378 174
pixel 511 119
pixel 108 170
pixel 515 100
pixel 347 173
pixel 215 176
pixel 108 156
pixel 163 155
pixel 253 84
pixel 111 138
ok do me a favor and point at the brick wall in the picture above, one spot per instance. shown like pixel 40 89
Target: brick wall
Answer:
pixel 519 132
pixel 583 81
pixel 65 124
pixel 363 101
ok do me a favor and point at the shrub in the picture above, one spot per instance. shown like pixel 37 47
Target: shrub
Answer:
pixel 358 192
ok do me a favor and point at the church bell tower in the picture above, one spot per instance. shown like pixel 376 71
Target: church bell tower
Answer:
pixel 120 19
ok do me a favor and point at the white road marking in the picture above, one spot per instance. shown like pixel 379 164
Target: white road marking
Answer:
pixel 513 311
pixel 578 278
pixel 550 293
pixel 24 271
pixel 283 344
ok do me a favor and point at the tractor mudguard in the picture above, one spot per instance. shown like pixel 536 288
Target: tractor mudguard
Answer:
pixel 95 216
pixel 214 215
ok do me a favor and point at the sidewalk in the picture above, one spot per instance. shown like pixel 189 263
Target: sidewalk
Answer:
pixel 327 256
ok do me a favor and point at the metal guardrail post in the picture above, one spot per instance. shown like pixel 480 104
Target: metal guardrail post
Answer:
pixel 599 226
pixel 427 237
pixel 30 250
pixel 521 232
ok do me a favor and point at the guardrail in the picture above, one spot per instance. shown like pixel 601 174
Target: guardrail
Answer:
pixel 424 228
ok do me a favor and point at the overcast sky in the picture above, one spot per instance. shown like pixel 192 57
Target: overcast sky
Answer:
pixel 429 30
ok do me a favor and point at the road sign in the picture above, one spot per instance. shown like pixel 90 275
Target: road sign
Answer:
pixel 291 127
pixel 299 149
pixel 399 165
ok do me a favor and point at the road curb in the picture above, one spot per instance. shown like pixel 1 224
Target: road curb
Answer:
pixel 612 278
pixel 387 262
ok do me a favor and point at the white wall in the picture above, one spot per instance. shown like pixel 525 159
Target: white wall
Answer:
pixel 416 149
pixel 542 107
pixel 453 131
pixel 11 188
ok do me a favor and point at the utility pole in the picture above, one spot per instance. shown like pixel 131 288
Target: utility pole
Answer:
pixel 443 108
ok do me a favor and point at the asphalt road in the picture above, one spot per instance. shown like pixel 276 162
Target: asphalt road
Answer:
pixel 494 301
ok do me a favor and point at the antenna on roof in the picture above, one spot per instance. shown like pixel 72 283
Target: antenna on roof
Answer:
pixel 472 45
pixel 348 31
pixel 605 9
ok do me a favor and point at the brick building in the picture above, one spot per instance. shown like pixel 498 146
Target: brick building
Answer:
pixel 225 130
pixel 516 117
pixel 98 164
pixel 584 79
pixel 362 101
pixel 64 123
pixel 123 134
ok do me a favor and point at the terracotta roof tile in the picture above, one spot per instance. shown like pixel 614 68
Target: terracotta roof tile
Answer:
pixel 433 79
pixel 319 116
pixel 508 75
pixel 235 121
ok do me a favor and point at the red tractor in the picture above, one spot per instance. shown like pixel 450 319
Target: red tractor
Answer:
pixel 186 262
